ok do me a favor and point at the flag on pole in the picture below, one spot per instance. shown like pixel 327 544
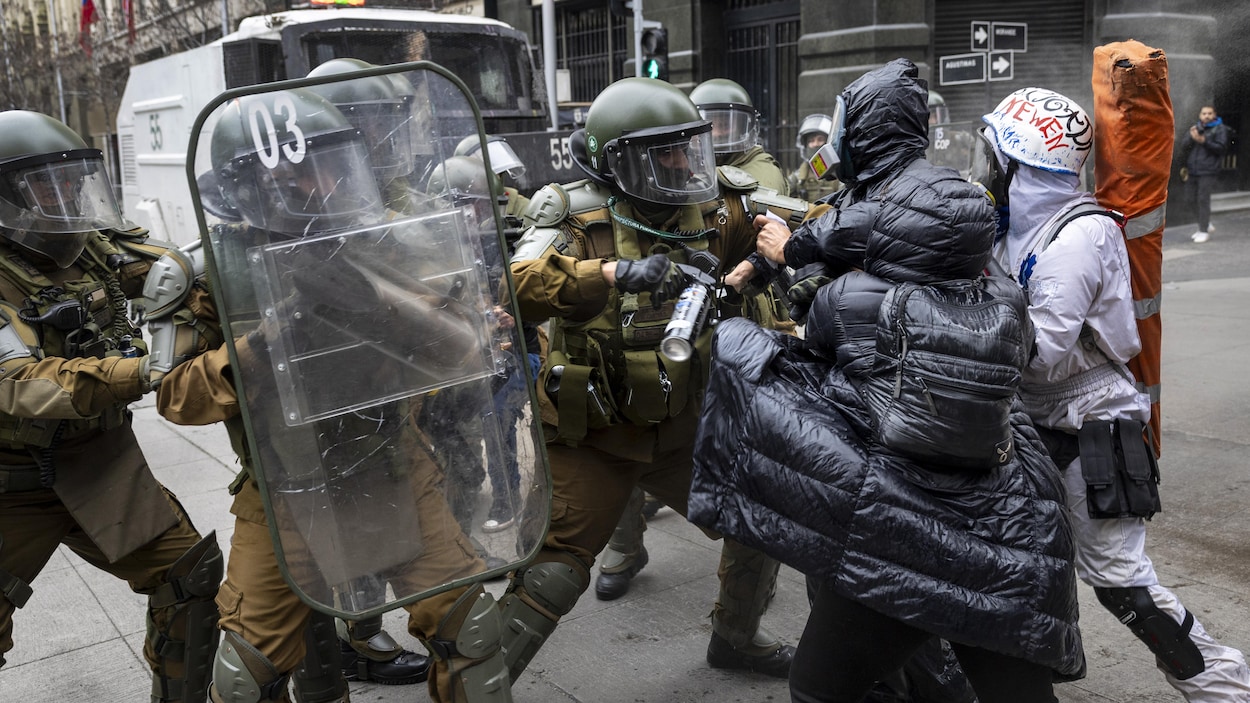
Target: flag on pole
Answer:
pixel 84 25
pixel 128 9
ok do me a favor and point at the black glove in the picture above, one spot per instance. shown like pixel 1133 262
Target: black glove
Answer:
pixel 801 288
pixel 656 274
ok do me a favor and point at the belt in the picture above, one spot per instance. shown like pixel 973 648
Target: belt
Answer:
pixel 19 480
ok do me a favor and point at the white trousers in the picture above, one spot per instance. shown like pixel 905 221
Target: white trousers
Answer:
pixel 1112 554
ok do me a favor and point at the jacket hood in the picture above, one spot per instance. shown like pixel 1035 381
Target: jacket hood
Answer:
pixel 1035 197
pixel 887 119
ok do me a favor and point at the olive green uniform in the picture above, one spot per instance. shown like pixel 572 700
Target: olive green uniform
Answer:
pixel 804 184
pixel 645 439
pixel 71 470
pixel 625 551
pixel 761 165
pixel 255 600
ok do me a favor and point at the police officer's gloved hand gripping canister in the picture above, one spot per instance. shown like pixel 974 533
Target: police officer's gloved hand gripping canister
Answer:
pixel 656 274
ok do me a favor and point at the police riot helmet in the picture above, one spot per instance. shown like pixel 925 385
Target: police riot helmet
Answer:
pixel 54 191
pixel 503 160
pixel 649 138
pixel 290 162
pixel 813 134
pixel 1043 129
pixel 375 106
pixel 735 121
pixel 465 181
pixel 938 112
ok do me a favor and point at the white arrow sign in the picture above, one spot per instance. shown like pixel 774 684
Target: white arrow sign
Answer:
pixel 1002 65
pixel 981 36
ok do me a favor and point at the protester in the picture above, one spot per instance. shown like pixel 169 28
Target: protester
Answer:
pixel 904 550
pixel 1078 390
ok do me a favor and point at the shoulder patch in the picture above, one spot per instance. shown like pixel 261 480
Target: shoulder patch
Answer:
pixel 735 178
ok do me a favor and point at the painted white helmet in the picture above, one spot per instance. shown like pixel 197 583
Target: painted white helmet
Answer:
pixel 1042 129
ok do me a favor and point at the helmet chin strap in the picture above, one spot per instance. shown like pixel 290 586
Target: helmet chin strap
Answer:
pixel 678 236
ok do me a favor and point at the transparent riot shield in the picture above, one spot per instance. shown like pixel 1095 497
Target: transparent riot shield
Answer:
pixel 384 385
pixel 955 145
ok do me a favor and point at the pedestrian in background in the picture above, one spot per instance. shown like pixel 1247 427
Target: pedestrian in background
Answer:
pixel 1208 143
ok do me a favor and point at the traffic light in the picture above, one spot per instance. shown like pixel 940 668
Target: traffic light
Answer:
pixel 655 53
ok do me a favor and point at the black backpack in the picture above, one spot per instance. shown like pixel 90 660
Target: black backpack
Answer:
pixel 948 362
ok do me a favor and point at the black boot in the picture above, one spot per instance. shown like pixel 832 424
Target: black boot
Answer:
pixel 614 585
pixel 776 663
pixel 405 668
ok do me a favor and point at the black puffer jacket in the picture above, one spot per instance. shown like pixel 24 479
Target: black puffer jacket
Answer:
pixel 784 460
pixel 900 218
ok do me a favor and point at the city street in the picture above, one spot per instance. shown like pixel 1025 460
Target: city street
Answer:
pixel 80 637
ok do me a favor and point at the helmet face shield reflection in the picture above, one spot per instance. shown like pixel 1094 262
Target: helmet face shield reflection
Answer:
pixel 676 166
pixel 61 193
pixel 735 127
pixel 329 189
pixel 388 134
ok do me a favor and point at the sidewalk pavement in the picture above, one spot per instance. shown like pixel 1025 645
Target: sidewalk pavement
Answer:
pixel 80 637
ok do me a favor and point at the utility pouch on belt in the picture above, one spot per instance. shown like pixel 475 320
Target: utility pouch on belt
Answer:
pixel 1120 471
pixel 576 395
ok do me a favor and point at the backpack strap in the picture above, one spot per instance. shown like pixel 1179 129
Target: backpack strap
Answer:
pixel 1055 228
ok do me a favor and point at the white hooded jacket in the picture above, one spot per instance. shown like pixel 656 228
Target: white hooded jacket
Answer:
pixel 1080 280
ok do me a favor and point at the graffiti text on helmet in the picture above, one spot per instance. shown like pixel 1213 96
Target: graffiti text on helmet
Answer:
pixel 1061 122
pixel 267 144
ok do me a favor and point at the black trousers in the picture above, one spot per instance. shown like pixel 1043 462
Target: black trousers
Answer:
pixel 1200 188
pixel 846 647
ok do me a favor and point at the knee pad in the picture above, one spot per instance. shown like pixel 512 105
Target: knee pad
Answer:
pixel 241 674
pixel 319 677
pixel 1167 639
pixel 469 649
pixel 537 598
pixel 185 603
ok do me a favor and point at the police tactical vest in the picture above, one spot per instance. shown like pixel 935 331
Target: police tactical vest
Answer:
pixel 83 317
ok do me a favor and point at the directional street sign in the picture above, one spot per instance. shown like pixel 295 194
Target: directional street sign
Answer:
pixel 961 68
pixel 1002 66
pixel 980 36
pixel 1009 36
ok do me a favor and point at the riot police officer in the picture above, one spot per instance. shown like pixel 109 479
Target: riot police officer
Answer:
pixel 602 263
pixel 813 134
pixel 308 201
pixel 736 132
pixel 735 139
pixel 71 471
pixel 506 165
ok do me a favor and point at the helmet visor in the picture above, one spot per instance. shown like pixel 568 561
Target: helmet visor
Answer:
pixel 60 193
pixel 330 188
pixel 503 160
pixel 388 134
pixel 734 127
pixel 675 167
pixel 813 133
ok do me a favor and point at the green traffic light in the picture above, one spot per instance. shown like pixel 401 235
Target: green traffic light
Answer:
pixel 651 68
